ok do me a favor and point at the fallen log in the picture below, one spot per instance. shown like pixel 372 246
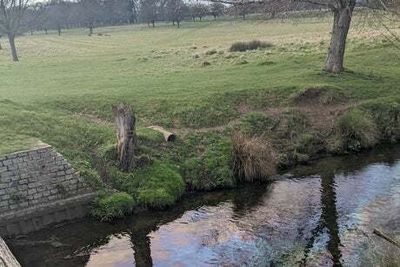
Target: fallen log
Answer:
pixel 386 237
pixel 168 136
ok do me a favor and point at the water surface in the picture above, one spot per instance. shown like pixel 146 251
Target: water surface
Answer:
pixel 317 215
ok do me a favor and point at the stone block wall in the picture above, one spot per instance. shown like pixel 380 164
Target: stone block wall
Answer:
pixel 38 181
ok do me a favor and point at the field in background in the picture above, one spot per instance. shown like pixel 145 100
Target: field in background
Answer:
pixel 62 90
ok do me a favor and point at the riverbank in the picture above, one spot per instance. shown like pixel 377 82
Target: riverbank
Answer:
pixel 317 214
pixel 277 94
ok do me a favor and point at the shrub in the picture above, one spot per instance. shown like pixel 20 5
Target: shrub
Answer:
pixel 253 158
pixel 357 130
pixel 109 207
pixel 245 46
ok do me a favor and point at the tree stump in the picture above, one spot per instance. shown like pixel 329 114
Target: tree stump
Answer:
pixel 126 135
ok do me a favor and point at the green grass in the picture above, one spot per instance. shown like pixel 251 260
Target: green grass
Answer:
pixel 62 90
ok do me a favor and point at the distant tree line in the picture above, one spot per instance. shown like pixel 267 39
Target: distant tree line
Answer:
pixel 59 14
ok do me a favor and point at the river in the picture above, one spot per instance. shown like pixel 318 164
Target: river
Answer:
pixel 322 214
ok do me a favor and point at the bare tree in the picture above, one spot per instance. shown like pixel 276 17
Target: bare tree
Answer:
pixel 90 12
pixel 11 13
pixel 217 9
pixel 175 10
pixel 199 10
pixel 133 11
pixel 149 11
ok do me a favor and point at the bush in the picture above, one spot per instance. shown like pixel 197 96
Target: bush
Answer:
pixel 245 46
pixel 357 131
pixel 253 158
pixel 109 207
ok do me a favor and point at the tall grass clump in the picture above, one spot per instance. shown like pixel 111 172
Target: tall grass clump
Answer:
pixel 357 131
pixel 245 46
pixel 253 158
pixel 109 207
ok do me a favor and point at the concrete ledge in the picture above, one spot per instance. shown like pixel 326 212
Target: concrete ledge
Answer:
pixel 37 218
pixel 7 259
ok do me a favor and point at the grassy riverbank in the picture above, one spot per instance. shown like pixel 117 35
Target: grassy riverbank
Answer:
pixel 62 92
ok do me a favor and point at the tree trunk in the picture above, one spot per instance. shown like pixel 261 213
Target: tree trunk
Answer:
pixel 340 29
pixel 178 23
pixel 45 31
pixel 153 23
pixel 59 30
pixel 126 135
pixel 90 30
pixel 11 39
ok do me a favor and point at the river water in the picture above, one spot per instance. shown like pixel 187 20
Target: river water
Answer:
pixel 323 214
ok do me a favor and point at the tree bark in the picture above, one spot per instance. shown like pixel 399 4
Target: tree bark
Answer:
pixel 126 135
pixel 11 39
pixel 341 25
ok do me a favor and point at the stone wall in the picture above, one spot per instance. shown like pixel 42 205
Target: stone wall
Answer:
pixel 36 183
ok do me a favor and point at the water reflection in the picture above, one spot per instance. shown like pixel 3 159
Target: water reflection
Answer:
pixel 328 220
pixel 321 216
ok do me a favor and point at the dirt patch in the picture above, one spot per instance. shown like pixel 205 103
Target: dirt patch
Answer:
pixel 94 119
pixel 320 95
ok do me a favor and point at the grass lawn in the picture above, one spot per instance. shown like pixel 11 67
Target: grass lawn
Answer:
pixel 62 90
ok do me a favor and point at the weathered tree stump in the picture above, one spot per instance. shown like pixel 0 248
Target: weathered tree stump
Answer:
pixel 126 134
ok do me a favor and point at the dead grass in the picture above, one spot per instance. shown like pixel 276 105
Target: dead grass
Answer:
pixel 253 158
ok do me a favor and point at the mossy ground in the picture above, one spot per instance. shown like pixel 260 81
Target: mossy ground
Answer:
pixel 62 90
